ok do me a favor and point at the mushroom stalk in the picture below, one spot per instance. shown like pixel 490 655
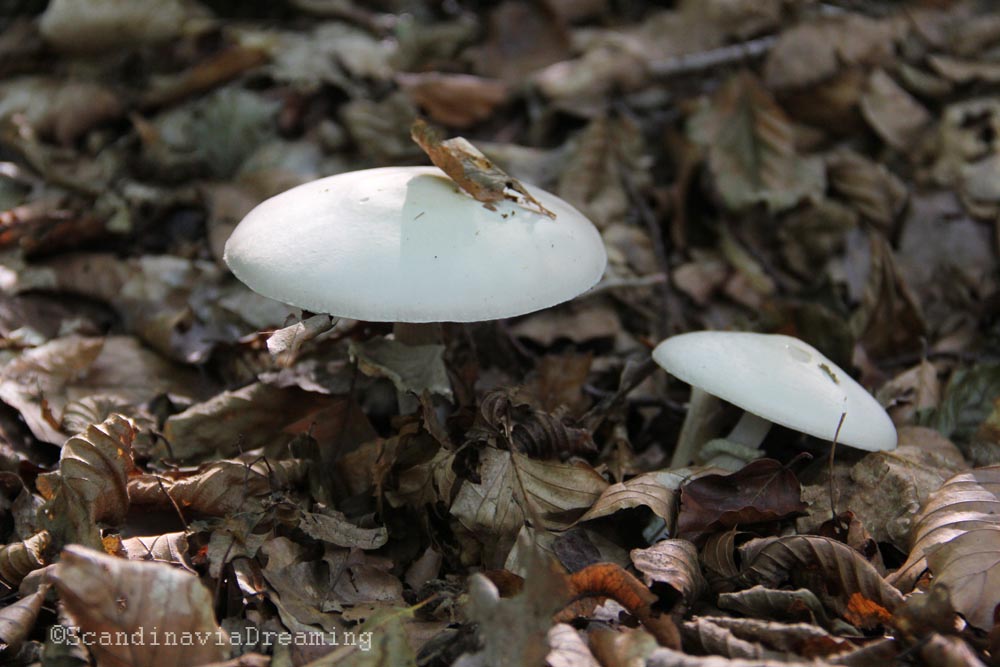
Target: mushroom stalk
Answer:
pixel 750 430
pixel 702 406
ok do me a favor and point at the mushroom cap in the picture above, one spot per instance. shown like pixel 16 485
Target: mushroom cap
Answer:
pixel 781 379
pixel 404 244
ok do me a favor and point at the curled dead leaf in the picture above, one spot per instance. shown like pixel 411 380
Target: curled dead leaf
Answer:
pixel 471 170
pixel 20 558
pixel 90 483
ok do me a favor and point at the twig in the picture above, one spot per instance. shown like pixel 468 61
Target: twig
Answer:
pixel 609 284
pixel 833 448
pixel 693 63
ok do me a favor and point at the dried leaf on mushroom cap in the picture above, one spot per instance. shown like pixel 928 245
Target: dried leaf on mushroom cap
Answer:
pixel 474 172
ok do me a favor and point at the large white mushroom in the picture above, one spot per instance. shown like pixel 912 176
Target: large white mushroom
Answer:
pixel 775 379
pixel 406 245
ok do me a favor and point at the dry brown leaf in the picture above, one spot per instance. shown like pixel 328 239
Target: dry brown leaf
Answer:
pixel 718 557
pixel 831 569
pixel 892 112
pixel 801 606
pixel 968 565
pixel 521 37
pixel 914 391
pixel 890 319
pixel 885 490
pixel 329 525
pixel 568 649
pixel 673 562
pixel 767 638
pixel 871 189
pixel 458 100
pixel 505 421
pixel 703 636
pixel 93 26
pixel 948 651
pixel 514 488
pixel 42 381
pixel 167 548
pixel 968 501
pixel 761 491
pixel 604 153
pixel 217 489
pixel 18 559
pixel 556 384
pixel 90 483
pixel 646 490
pixel 18 619
pixel 810 53
pixel 243 419
pixel 471 170
pixel 751 149
pixel 965 71
pixel 107 594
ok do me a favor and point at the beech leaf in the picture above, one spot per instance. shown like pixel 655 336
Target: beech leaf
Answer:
pixel 107 594
pixel 471 170
pixel 90 485
pixel 761 491
pixel 967 501
pixel 842 571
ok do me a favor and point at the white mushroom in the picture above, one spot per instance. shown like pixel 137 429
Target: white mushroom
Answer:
pixel 775 379
pixel 405 245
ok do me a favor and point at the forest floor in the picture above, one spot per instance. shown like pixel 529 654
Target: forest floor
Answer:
pixel 191 473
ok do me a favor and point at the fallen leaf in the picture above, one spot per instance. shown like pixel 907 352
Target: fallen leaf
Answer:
pixel 968 566
pixel 245 419
pixel 104 594
pixel 567 648
pixel 968 401
pixel 18 559
pixel 515 488
pixel 411 368
pixel 458 100
pixel 892 112
pixel 761 491
pixel 90 484
pixel 830 569
pixel 800 605
pixel 96 25
pixel 18 619
pixel 751 149
pixel 218 488
pixel 886 489
pixel 967 501
pixel 329 525
pixel 672 562
pixel 471 170
pixel 889 319
pixel 167 548
pixel 42 381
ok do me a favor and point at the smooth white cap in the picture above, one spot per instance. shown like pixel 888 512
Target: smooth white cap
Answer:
pixel 404 244
pixel 781 379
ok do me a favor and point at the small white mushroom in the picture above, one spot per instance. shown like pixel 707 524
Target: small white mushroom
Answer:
pixel 775 379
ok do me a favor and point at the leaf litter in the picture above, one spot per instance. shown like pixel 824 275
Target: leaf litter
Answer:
pixel 179 453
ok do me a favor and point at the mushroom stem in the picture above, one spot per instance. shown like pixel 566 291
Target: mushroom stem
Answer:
pixel 750 430
pixel 702 407
pixel 414 333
